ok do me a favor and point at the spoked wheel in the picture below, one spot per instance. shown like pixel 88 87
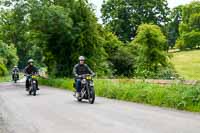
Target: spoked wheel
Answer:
pixel 91 96
pixel 34 90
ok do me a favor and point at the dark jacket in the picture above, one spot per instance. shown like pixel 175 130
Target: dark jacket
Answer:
pixel 30 70
pixel 15 70
pixel 80 69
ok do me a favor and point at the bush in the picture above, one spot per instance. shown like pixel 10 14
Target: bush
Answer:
pixel 152 55
pixel 8 54
pixel 123 62
pixel 180 44
pixel 3 70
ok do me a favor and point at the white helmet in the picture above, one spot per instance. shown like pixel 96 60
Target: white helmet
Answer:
pixel 81 58
pixel 30 61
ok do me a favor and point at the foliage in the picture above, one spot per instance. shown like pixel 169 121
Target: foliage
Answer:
pixel 123 62
pixel 3 70
pixel 8 55
pixel 120 58
pixel 54 33
pixel 123 17
pixel 151 45
pixel 178 96
pixel 190 27
pixel 173 25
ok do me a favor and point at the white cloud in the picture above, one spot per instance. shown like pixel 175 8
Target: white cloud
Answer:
pixel 174 3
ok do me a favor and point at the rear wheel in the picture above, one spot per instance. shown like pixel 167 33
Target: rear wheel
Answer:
pixel 91 96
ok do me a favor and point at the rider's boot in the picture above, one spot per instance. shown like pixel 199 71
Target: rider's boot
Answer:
pixel 77 94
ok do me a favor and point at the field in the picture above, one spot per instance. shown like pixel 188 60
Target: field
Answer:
pixel 187 64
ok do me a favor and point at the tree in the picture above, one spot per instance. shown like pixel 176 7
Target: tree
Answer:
pixel 54 33
pixel 8 55
pixel 69 30
pixel 123 17
pixel 151 44
pixel 173 25
pixel 190 27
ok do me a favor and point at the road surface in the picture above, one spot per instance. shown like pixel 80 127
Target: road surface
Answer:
pixel 56 111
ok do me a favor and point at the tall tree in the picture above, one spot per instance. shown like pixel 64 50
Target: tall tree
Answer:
pixel 124 16
pixel 173 25
pixel 151 44
pixel 190 26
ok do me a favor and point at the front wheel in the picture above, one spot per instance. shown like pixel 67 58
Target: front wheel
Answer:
pixel 91 97
pixel 34 89
pixel 30 92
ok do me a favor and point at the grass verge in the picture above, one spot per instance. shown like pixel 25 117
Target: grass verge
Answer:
pixel 187 64
pixel 178 96
pixel 5 79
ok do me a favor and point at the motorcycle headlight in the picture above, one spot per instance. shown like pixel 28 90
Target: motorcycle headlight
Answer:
pixel 34 77
pixel 83 81
pixel 88 77
pixel 34 81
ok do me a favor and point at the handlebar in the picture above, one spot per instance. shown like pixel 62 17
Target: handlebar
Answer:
pixel 84 75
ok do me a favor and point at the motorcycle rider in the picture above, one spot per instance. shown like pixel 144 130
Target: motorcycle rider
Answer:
pixel 30 69
pixel 15 69
pixel 80 69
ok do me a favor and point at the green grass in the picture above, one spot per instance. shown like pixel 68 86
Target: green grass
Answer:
pixel 187 64
pixel 5 79
pixel 180 97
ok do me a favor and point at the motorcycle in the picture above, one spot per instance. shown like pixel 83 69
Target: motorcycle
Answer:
pixel 87 89
pixel 15 76
pixel 32 84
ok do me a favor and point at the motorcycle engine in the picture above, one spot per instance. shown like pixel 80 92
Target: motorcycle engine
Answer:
pixel 83 81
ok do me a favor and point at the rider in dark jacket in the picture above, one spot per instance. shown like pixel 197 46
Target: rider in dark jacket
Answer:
pixel 80 69
pixel 30 69
pixel 15 69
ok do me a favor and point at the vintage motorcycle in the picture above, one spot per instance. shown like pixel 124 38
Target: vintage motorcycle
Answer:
pixel 87 88
pixel 32 84
pixel 15 76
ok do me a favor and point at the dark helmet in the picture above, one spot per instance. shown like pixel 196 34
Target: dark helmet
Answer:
pixel 81 58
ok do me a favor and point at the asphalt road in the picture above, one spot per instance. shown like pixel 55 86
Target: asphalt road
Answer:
pixel 56 111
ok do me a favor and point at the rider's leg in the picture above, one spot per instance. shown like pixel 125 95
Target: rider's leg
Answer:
pixel 27 83
pixel 17 76
pixel 78 86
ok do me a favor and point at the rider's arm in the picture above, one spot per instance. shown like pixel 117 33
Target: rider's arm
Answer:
pixel 75 71
pixel 90 71
pixel 25 70
pixel 35 70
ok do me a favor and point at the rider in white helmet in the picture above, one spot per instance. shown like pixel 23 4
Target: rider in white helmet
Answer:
pixel 15 69
pixel 80 69
pixel 30 69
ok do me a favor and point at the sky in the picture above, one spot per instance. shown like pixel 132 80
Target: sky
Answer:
pixel 172 4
